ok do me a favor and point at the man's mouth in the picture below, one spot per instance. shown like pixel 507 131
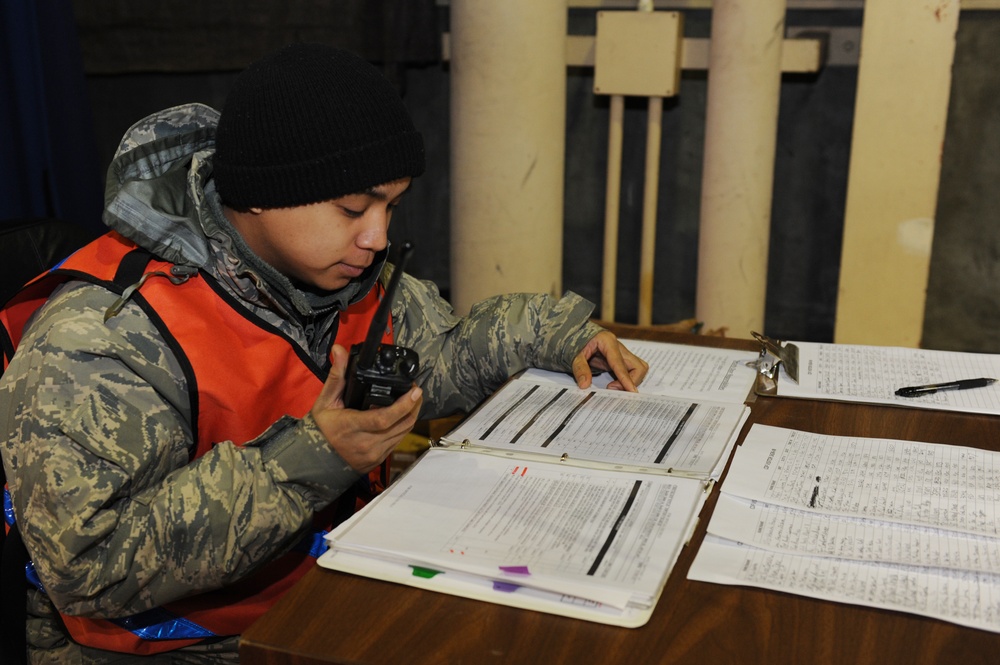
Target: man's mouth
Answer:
pixel 353 271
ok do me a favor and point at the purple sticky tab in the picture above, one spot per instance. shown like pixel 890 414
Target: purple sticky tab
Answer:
pixel 506 587
pixel 515 570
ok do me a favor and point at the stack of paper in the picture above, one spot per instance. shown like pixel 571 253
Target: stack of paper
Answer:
pixel 570 540
pixel 549 497
pixel 885 523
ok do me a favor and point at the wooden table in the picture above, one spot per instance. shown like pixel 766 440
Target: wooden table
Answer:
pixel 332 617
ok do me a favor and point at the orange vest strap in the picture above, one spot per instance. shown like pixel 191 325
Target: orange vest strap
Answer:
pixel 243 375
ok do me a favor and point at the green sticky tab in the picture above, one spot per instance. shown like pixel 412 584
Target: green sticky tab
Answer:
pixel 424 572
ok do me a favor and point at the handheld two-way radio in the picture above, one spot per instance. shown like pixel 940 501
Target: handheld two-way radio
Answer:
pixel 378 374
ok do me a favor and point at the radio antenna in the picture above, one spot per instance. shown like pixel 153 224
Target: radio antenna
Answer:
pixel 366 356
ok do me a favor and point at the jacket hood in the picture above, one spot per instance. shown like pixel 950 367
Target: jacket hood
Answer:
pixel 155 185
pixel 159 189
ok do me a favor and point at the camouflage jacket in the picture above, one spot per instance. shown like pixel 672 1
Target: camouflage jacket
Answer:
pixel 102 486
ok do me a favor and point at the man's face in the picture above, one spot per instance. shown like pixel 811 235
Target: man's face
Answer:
pixel 327 244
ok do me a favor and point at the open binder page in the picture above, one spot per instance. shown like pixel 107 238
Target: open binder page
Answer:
pixel 598 537
pixel 693 372
pixel 873 374
pixel 887 523
pixel 608 426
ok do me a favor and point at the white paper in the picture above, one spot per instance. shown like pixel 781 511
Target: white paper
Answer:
pixel 549 497
pixel 963 597
pixel 926 484
pixel 873 374
pixel 693 372
pixel 609 537
pixel 886 523
pixel 606 426
pixel 795 531
pixel 479 588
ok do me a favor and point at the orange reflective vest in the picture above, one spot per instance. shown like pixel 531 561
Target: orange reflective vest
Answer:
pixel 243 375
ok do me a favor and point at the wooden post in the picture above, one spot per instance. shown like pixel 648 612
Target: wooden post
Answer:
pixel 612 202
pixel 904 83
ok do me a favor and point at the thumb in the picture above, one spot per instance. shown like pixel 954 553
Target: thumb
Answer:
pixel 332 394
pixel 582 372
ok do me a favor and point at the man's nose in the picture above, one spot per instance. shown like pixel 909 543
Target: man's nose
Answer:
pixel 375 234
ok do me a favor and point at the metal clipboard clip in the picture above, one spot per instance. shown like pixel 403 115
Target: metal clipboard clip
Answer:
pixel 773 354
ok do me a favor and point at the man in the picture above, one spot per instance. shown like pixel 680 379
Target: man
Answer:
pixel 173 425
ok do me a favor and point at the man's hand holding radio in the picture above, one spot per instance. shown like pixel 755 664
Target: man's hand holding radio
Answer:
pixel 362 438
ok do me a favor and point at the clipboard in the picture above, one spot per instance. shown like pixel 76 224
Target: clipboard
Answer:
pixel 774 354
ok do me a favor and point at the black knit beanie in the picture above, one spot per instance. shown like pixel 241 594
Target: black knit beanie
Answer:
pixel 311 123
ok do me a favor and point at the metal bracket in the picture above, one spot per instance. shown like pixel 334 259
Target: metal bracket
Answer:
pixel 783 353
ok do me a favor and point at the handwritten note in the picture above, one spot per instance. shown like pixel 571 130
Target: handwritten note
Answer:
pixel 872 374
pixel 886 523
pixel 967 598
pixel 782 529
pixel 901 481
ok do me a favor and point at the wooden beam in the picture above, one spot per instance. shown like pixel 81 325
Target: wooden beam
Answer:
pixel 904 82
pixel 799 56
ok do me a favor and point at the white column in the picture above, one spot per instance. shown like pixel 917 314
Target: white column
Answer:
pixel 744 80
pixel 508 117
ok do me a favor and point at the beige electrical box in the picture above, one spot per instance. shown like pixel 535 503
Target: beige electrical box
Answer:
pixel 638 53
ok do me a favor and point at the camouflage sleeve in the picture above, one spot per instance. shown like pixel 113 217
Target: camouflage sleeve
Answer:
pixel 464 360
pixel 95 424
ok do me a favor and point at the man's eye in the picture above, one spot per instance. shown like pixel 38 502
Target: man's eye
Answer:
pixel 354 214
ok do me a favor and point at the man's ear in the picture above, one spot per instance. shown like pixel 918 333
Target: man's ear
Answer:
pixel 256 211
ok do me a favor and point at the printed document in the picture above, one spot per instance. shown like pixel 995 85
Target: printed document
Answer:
pixel 592 534
pixel 558 499
pixel 692 372
pixel 614 427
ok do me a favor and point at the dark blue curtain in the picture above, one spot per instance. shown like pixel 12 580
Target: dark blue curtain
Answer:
pixel 48 152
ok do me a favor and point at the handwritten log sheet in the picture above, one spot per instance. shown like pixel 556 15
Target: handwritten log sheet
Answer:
pixel 885 523
pixel 872 374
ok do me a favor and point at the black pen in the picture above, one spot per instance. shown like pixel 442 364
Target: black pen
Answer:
pixel 964 384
